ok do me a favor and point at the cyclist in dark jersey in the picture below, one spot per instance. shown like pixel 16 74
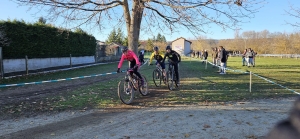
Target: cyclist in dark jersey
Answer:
pixel 174 58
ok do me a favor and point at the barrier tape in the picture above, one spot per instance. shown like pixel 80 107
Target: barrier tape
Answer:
pixel 257 76
pixel 77 67
pixel 276 83
pixel 66 79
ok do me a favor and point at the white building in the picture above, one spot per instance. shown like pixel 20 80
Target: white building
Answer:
pixel 181 46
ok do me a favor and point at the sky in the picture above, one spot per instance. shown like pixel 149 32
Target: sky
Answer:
pixel 271 17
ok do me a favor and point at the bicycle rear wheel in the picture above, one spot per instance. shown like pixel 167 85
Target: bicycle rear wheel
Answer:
pixel 125 91
pixel 157 77
pixel 143 88
pixel 175 81
pixel 170 81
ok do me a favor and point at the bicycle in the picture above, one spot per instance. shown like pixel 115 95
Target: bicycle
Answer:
pixel 171 78
pixel 129 84
pixel 158 76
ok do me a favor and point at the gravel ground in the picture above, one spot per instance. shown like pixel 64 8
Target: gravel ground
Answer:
pixel 235 120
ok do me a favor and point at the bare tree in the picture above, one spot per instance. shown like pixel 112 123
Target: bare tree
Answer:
pixel 294 12
pixel 150 15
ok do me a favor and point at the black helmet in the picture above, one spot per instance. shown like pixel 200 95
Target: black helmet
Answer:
pixel 168 47
pixel 124 49
pixel 155 48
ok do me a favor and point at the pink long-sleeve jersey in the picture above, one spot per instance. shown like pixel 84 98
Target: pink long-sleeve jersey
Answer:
pixel 130 56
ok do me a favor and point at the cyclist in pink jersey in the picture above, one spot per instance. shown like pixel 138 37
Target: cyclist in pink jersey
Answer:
pixel 134 62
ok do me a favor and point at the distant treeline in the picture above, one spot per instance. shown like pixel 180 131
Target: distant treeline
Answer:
pixel 40 40
pixel 262 42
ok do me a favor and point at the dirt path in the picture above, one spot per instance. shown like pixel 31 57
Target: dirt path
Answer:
pixel 240 120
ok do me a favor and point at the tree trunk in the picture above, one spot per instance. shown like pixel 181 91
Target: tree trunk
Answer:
pixel 134 27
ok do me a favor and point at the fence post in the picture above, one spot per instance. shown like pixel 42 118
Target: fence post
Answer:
pixel 70 60
pixel 26 64
pixel 1 64
pixel 250 82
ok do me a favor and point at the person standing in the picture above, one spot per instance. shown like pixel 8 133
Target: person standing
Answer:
pixel 249 57
pixel 141 58
pixel 193 54
pixel 254 55
pixel 223 59
pixel 219 59
pixel 198 53
pixel 205 55
pixel 215 56
pixel 244 57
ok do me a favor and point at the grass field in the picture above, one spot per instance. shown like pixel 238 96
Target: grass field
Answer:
pixel 200 83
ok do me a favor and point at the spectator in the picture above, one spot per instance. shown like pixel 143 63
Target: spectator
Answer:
pixel 205 55
pixel 215 56
pixel 200 54
pixel 141 58
pixel 254 55
pixel 249 57
pixel 219 60
pixel 223 59
pixel 244 57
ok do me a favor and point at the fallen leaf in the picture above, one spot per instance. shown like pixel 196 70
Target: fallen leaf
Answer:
pixel 206 126
pixel 249 123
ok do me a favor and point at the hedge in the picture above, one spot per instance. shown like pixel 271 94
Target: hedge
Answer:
pixel 40 40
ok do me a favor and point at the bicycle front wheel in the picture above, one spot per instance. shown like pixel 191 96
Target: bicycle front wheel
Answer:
pixel 157 77
pixel 143 88
pixel 125 91
pixel 170 81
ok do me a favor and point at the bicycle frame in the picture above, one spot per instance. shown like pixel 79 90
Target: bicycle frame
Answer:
pixel 134 80
pixel 159 68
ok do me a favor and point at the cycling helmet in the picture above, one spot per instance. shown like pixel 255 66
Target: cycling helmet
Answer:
pixel 124 49
pixel 155 48
pixel 168 47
